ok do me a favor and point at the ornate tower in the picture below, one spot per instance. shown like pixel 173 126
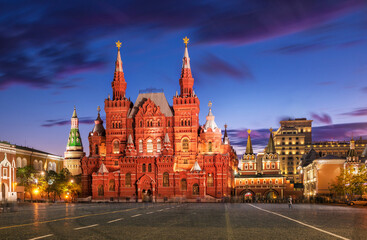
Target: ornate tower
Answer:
pixel 249 163
pixel 270 160
pixel 74 148
pixel 186 117
pixel 116 114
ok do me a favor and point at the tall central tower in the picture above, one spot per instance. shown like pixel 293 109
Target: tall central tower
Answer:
pixel 186 117
pixel 116 114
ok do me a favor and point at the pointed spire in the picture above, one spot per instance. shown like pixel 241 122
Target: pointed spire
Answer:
pixel 271 147
pixel 130 140
pixel 118 83
pixel 118 67
pixel 186 58
pixel 166 139
pixel 74 113
pixel 249 143
pixel 196 167
pixel 103 169
pixel 186 80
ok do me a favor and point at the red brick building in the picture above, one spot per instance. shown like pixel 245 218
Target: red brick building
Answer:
pixel 151 150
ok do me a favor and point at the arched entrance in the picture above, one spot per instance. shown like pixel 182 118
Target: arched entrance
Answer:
pixel 247 195
pixel 146 188
pixel 271 195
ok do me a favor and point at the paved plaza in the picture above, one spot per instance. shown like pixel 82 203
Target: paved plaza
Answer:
pixel 183 221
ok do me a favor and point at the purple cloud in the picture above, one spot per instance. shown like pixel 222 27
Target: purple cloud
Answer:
pixel 364 89
pixel 321 118
pixel 298 48
pixel 356 113
pixel 212 65
pixel 62 122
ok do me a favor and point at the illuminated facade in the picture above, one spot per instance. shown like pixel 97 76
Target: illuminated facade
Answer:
pixel 290 143
pixel 8 173
pixel 260 177
pixel 319 172
pixel 151 150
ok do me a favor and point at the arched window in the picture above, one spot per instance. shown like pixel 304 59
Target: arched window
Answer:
pixel 35 165
pixel 182 122
pixel 54 167
pixel 111 185
pixel 166 179
pixel 185 122
pixel 128 180
pixel 19 162
pixel 169 123
pixel 24 162
pixel 96 148
pixel 116 147
pixel 100 190
pixel 49 166
pixel 210 147
pixel 185 145
pixel 149 167
pixel 183 185
pixel 189 123
pixel 40 165
pixel 149 146
pixel 195 189
pixel 159 123
pixel 144 168
pixel 159 145
pixel 140 145
pixel 210 180
pixel 141 124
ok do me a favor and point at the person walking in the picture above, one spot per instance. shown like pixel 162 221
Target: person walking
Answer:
pixel 290 202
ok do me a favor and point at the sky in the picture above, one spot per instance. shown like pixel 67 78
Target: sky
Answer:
pixel 259 62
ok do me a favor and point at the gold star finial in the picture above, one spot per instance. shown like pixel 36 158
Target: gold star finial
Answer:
pixel 98 109
pixel 118 44
pixel 186 40
pixel 271 130
pixel 210 104
pixel 248 131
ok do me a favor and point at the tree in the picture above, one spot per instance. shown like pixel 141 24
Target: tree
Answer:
pixel 351 181
pixel 26 177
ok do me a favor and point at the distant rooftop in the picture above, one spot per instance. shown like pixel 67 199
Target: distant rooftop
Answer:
pixel 27 148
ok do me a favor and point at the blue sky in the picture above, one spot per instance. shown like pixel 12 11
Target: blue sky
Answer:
pixel 257 61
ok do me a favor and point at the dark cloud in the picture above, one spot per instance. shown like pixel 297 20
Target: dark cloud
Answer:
pixel 44 42
pixel 212 65
pixel 63 122
pixel 321 118
pixel 298 48
pixel 356 113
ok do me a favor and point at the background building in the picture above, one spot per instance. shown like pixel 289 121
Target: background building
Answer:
pixel 290 143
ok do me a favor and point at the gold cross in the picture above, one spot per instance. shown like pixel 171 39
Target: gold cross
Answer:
pixel 118 44
pixel 186 41
pixel 210 104
pixel 98 109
